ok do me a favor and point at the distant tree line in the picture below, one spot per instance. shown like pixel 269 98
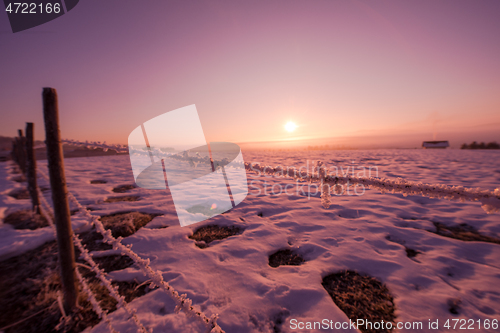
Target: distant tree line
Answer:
pixel 482 145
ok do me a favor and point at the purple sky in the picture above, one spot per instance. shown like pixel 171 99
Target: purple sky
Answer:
pixel 413 69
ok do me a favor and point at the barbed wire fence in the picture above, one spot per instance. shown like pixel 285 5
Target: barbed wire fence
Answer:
pixel 329 184
pixel 41 206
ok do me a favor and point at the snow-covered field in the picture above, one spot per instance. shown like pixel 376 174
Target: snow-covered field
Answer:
pixel 366 232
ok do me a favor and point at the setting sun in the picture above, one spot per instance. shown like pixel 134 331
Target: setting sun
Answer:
pixel 290 126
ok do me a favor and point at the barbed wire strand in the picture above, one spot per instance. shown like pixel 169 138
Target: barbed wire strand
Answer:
pixel 113 290
pixel 182 301
pixel 490 200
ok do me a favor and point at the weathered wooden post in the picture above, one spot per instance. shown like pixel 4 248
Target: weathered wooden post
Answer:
pixel 31 167
pixel 21 152
pixel 16 152
pixel 13 153
pixel 60 197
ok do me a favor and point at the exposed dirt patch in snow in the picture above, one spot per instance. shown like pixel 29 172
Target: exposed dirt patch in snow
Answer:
pixel 98 181
pixel 93 241
pixel 26 219
pixel 411 253
pixel 113 263
pixel 20 193
pixel 361 297
pixel 463 232
pixel 123 198
pixel 127 223
pixel 285 257
pixel 209 233
pixel 123 188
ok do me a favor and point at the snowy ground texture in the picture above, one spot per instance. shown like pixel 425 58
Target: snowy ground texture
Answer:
pixel 367 233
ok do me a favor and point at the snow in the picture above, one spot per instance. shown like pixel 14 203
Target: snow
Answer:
pixel 367 233
pixel 14 242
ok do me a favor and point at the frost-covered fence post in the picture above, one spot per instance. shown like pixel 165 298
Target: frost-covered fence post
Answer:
pixel 60 197
pixel 31 167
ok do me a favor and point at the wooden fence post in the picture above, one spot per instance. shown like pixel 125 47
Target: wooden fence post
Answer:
pixel 60 198
pixel 21 152
pixel 31 167
pixel 13 153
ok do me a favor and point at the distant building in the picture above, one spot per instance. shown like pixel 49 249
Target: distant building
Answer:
pixel 435 144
